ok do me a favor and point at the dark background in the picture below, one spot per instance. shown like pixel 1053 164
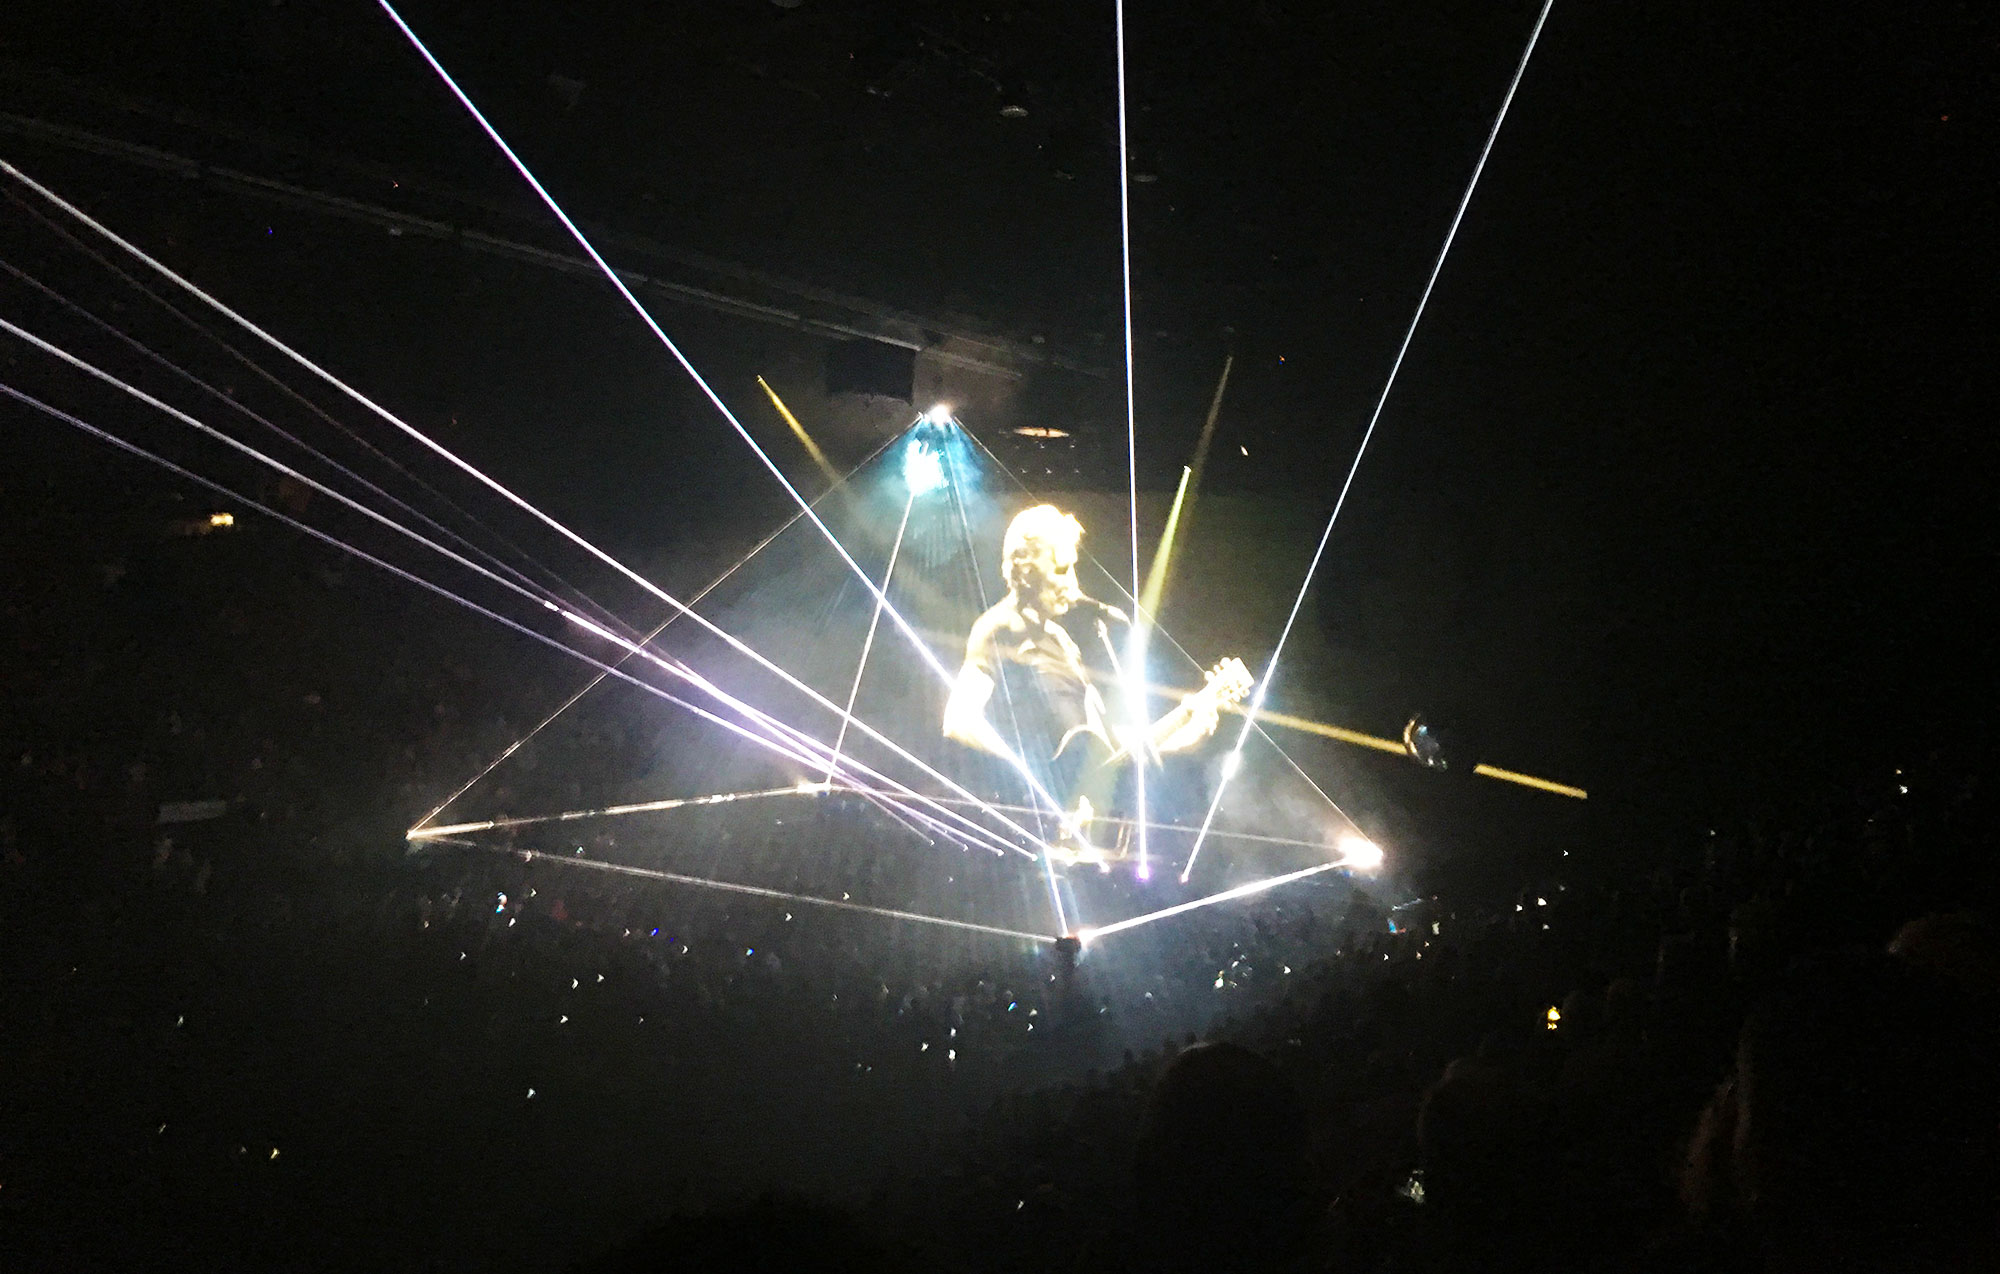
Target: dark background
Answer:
pixel 1682 494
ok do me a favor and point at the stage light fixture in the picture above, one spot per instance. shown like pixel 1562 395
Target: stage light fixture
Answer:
pixel 1359 852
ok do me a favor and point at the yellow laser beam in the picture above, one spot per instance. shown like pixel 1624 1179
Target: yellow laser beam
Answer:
pixel 1208 426
pixel 1324 730
pixel 1380 744
pixel 1154 592
pixel 1529 780
pixel 1156 574
pixel 812 448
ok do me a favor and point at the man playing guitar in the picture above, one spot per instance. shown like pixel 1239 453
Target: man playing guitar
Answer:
pixel 1023 647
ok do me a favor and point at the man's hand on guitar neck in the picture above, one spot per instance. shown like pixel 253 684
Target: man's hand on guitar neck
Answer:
pixel 1195 718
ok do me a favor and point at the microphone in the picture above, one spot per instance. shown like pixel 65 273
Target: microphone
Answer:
pixel 1103 610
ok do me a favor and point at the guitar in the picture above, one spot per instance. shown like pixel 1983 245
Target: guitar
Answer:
pixel 1223 685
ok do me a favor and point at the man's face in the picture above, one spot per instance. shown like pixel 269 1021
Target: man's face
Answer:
pixel 1058 588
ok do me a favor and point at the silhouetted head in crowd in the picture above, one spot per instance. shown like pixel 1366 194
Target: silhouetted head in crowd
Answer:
pixel 1225 1139
pixel 1480 1139
pixel 1861 1124
pixel 1957 947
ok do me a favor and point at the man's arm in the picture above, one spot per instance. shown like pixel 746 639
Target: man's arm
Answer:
pixel 965 711
pixel 1190 723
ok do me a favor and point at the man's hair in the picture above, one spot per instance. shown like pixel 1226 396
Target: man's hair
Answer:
pixel 1033 533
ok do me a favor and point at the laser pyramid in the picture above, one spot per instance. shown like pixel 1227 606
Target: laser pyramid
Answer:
pixel 894 818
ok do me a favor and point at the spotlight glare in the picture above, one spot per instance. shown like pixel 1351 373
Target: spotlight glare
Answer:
pixel 939 415
pixel 1359 852
pixel 923 471
pixel 1232 761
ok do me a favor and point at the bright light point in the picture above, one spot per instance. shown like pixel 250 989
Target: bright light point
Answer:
pixel 1145 872
pixel 939 414
pixel 922 470
pixel 1359 852
pixel 1231 763
pixel 222 519
pixel 807 787
pixel 1554 1017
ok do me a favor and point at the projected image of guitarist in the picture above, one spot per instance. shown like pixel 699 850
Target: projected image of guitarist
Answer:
pixel 1026 647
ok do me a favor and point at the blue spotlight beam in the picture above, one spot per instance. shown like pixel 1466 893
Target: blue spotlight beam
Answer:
pixel 1374 418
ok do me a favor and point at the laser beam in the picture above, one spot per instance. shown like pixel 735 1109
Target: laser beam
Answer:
pixel 1133 699
pixel 598 679
pixel 1140 612
pixel 758 891
pixel 471 470
pixel 608 811
pixel 806 758
pixel 1089 936
pixel 598 630
pixel 812 448
pixel 583 241
pixel 1007 695
pixel 280 386
pixel 271 426
pixel 1374 419
pixel 363 555
pixel 868 643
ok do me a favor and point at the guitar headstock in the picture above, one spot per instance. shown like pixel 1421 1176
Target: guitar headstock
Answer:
pixel 1229 681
